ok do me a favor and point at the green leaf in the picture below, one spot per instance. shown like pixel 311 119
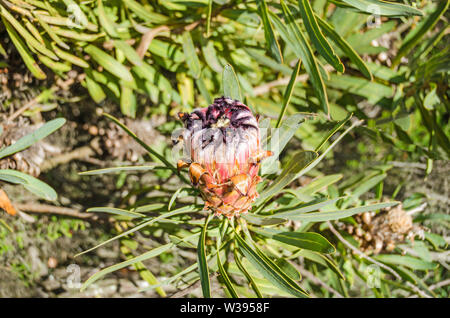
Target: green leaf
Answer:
pixel 263 59
pixel 338 126
pixel 24 52
pixel 374 92
pixel 116 170
pixel 55 66
pixel 202 262
pixel 109 63
pixel 293 36
pixel 262 221
pixel 186 209
pixel 249 278
pixel 321 259
pixel 367 185
pixel 105 21
pixel 432 126
pixel 335 215
pixel 305 208
pixel 52 34
pixel 129 52
pixel 2 51
pixel 435 239
pixel 69 57
pixel 319 159
pixel 30 183
pixel 226 278
pixel 128 103
pixel 422 29
pixel 175 196
pixel 152 253
pixel 288 93
pixel 145 146
pixel 276 139
pixel 269 269
pixel 173 278
pixel 315 34
pixel 345 47
pixel 208 18
pixel 144 13
pixel 28 38
pixel 383 8
pixel 307 240
pixel 116 211
pixel 318 184
pixel 288 268
pixel 94 88
pixel 191 56
pixel 28 140
pixel 405 260
pixel 271 40
pixel 230 83
pixel 298 162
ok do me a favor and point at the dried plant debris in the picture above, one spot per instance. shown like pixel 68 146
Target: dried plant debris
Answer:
pixel 382 232
pixel 29 160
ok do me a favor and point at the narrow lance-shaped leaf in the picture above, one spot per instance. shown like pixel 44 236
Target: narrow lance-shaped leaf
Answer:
pixel 143 270
pixel 226 278
pixel 304 208
pixel 271 40
pixel 405 260
pixel 55 66
pixel 202 262
pixel 424 27
pixel 109 63
pixel 230 83
pixel 345 47
pixel 95 90
pixel 249 278
pixel 307 240
pixel 116 212
pixel 52 34
pixel 24 52
pixel 334 215
pixel 2 51
pixel 128 103
pixel 28 140
pixel 145 14
pixel 36 186
pixel 298 162
pixel 322 155
pixel 191 56
pixel 383 7
pixel 288 92
pixel 146 147
pixel 276 139
pixel 187 209
pixel 292 35
pixel 117 169
pixel 105 21
pixel 69 57
pixel 152 253
pixel 208 18
pixel 30 40
pixel 129 52
pixel 316 36
pixel 269 269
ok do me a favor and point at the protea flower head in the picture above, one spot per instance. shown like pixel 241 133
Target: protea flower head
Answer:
pixel 222 143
